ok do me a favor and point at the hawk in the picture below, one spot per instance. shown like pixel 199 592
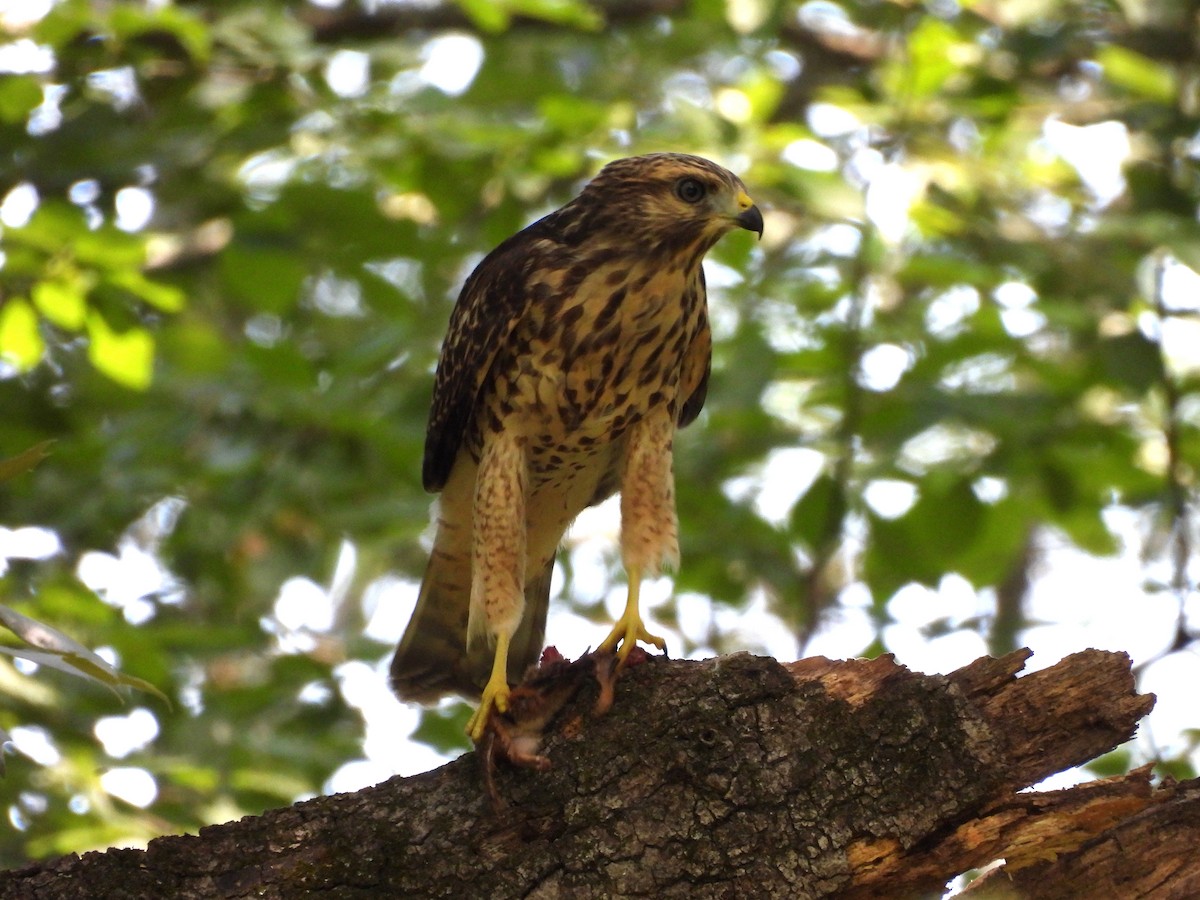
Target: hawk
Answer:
pixel 576 349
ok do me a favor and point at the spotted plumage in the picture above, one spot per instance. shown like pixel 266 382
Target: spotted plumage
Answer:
pixel 575 350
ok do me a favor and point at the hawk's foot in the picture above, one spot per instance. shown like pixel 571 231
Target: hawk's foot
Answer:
pixel 629 629
pixel 495 692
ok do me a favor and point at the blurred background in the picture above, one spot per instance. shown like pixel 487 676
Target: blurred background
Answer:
pixel 954 407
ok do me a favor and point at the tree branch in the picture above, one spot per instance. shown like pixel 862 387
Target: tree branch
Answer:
pixel 856 778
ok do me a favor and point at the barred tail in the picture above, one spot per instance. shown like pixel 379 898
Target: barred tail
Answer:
pixel 432 659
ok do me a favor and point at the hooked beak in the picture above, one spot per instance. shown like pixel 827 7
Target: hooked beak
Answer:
pixel 750 216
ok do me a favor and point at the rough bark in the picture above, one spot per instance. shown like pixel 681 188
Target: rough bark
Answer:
pixel 732 777
pixel 1149 851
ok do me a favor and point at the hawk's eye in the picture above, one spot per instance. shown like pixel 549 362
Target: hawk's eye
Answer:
pixel 690 190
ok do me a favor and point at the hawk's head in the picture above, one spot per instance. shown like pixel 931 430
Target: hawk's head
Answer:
pixel 668 201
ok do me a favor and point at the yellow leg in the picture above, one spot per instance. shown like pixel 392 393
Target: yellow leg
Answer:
pixel 629 629
pixel 495 692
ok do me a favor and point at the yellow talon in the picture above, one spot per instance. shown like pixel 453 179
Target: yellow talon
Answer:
pixel 495 692
pixel 629 629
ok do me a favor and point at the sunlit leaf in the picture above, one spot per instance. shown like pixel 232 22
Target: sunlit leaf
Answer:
pixel 764 91
pixel 21 343
pixel 191 31
pixel 62 302
pixel 159 295
pixel 930 59
pixel 126 357
pixel 487 14
pixel 44 637
pixel 112 677
pixel 281 785
pixel 1137 73
pixel 62 663
pixel 563 12
pixel 19 94
pixel 57 650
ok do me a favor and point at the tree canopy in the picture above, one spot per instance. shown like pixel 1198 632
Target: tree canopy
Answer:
pixel 232 233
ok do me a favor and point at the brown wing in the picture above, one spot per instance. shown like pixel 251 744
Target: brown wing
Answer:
pixel 491 303
pixel 697 365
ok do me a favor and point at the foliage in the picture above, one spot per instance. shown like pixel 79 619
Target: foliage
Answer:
pixel 231 234
pixel 48 647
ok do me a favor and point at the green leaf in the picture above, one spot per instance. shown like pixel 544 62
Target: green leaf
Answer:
pixel 125 357
pixel 817 516
pixel 56 650
pixel 571 114
pixel 282 785
pixel 21 343
pixel 930 60
pixel 1115 762
pixel 19 95
pixel 934 537
pixel 190 30
pixel 165 297
pixel 1137 74
pixel 59 662
pixel 562 12
pixel 265 277
pixel 42 636
pixel 444 730
pixel 487 15
pixel 112 677
pixel 1179 769
pixel 1132 361
pixel 62 302
pixel 24 461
